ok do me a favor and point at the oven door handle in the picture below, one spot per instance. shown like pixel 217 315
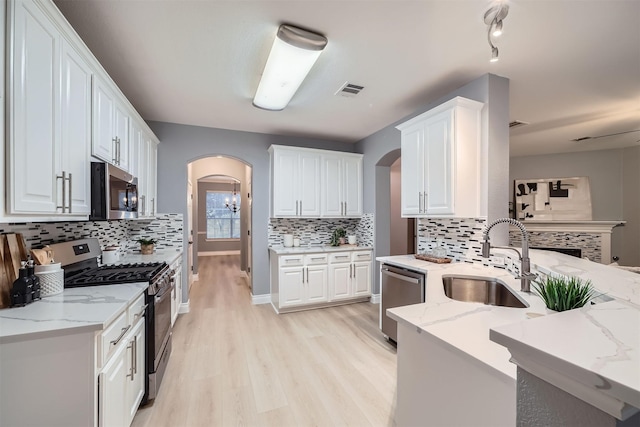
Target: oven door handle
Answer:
pixel 159 298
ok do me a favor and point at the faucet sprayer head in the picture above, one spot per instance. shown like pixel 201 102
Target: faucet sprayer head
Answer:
pixel 486 248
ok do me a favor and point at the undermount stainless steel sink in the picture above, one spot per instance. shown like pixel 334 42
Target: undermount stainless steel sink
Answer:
pixel 486 290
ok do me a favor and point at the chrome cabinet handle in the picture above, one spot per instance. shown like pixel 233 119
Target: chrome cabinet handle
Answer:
pixel 141 313
pixel 420 202
pixel 300 207
pixel 296 207
pixel 64 190
pixel 122 333
pixel 135 356
pixel 114 153
pixel 130 346
pixel 153 207
pixel 345 208
pixel 70 192
pixel 424 201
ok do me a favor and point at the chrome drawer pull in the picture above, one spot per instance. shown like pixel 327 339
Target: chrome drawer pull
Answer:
pixel 122 334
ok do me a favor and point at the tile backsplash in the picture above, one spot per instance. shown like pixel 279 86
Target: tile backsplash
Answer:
pixel 318 231
pixel 167 228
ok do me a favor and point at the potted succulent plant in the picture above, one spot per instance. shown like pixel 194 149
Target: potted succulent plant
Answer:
pixel 147 245
pixel 561 293
pixel 338 237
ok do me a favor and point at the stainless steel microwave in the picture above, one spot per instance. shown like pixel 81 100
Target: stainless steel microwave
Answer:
pixel 114 193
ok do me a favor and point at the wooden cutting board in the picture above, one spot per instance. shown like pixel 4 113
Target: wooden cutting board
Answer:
pixel 5 284
pixel 12 256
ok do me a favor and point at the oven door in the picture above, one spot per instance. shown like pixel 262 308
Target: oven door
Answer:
pixel 162 322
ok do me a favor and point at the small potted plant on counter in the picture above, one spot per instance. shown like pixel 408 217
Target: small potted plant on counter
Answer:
pixel 338 237
pixel 147 245
pixel 561 293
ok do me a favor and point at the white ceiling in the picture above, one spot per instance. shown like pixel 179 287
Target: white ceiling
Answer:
pixel 574 66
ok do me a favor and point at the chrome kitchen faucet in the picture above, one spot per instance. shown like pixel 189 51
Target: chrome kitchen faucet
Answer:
pixel 526 276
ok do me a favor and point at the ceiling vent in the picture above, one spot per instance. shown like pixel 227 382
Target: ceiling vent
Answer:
pixel 349 90
pixel 517 124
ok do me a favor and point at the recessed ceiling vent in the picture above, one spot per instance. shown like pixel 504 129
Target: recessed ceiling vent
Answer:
pixel 349 90
pixel 517 124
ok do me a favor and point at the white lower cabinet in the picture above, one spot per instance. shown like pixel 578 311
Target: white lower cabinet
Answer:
pixel 349 275
pixel 303 279
pixel 176 295
pixel 319 279
pixel 121 380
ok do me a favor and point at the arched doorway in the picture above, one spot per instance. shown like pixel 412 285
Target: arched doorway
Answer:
pixel 212 226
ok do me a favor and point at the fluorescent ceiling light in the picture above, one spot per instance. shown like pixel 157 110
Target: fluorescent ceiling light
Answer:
pixel 293 53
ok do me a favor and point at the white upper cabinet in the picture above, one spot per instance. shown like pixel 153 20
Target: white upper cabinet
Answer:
pixel 61 109
pixel 440 173
pixel 76 127
pixel 315 183
pixel 295 182
pixel 50 118
pixel 144 152
pixel 110 126
pixel 341 184
pixel 34 111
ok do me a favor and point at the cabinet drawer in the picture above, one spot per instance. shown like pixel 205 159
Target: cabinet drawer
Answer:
pixel 340 257
pixel 136 309
pixel 113 335
pixel 291 260
pixel 316 259
pixel 361 256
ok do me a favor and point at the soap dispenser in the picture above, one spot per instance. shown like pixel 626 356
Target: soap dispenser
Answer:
pixel 21 289
pixel 35 280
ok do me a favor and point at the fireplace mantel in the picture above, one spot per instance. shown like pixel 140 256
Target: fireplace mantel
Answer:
pixel 601 228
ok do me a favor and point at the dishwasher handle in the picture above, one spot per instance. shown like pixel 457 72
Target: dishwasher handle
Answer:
pixel 401 277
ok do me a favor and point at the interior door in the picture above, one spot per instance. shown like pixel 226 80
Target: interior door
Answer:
pixel 190 232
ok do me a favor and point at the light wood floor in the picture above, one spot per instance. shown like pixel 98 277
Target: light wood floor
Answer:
pixel 234 363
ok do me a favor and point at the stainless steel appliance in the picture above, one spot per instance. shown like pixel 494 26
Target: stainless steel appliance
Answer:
pixel 114 193
pixel 399 287
pixel 79 260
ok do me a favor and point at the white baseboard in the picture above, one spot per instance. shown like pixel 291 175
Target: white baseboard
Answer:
pixel 260 299
pixel 218 253
pixel 184 307
pixel 375 299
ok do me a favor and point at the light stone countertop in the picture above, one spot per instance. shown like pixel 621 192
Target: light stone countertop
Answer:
pixel 597 347
pixel 166 255
pixel 77 309
pixel 74 310
pixel 281 250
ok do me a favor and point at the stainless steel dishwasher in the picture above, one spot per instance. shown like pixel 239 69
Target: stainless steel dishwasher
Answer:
pixel 399 287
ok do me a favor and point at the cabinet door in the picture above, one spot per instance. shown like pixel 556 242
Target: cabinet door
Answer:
pixel 103 141
pixel 291 290
pixel 332 198
pixel 121 133
pixel 152 178
pixel 361 279
pixel 34 113
pixel 340 281
pixel 143 172
pixel 316 284
pixel 284 185
pixel 136 370
pixel 352 186
pixel 411 174
pixel 438 142
pixel 76 127
pixel 113 385
pixel 309 184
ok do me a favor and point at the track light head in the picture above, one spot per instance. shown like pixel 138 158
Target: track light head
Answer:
pixel 497 29
pixel 494 54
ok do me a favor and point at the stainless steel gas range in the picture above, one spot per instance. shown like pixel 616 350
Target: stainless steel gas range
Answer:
pixel 79 258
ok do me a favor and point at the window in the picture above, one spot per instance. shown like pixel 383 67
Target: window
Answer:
pixel 221 222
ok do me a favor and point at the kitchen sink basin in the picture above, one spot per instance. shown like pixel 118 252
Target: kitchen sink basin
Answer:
pixel 486 290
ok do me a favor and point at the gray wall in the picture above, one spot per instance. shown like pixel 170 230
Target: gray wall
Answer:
pixel 213 245
pixel 631 206
pixel 614 178
pixel 182 144
pixel 381 149
pixel 399 235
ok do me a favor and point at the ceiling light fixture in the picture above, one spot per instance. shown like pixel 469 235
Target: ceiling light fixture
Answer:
pixel 493 18
pixel 292 55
